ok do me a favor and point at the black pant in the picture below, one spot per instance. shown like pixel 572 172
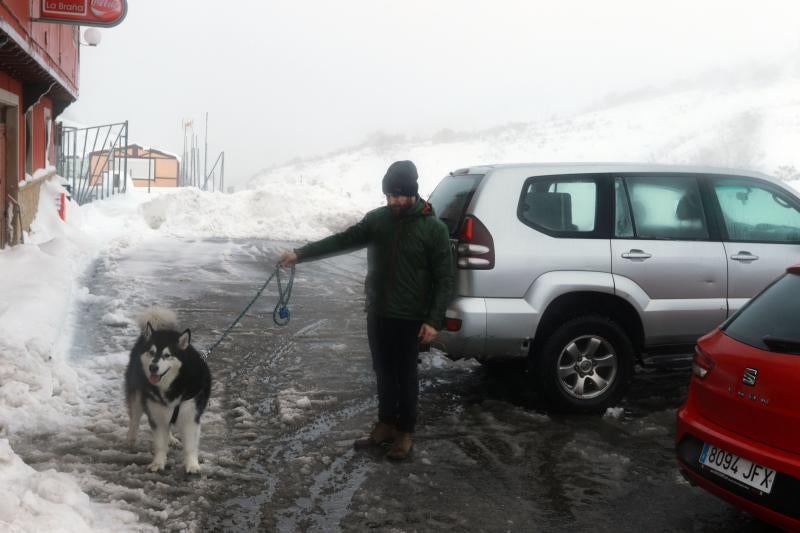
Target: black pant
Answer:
pixel 395 348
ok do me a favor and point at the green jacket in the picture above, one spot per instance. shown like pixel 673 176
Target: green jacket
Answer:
pixel 409 262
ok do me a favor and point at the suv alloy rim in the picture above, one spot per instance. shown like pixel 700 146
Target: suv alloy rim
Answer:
pixel 587 367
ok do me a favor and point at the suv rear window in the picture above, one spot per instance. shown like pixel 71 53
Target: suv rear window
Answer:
pixel 561 206
pixel 773 313
pixel 452 196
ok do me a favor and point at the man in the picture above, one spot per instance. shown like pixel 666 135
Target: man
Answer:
pixel 408 285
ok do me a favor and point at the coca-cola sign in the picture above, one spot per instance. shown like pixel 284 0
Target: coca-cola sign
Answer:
pixel 83 12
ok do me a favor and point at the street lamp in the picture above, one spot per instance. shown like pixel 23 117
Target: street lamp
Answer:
pixel 92 37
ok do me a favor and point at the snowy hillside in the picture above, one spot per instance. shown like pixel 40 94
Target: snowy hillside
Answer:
pixel 747 126
pixel 754 126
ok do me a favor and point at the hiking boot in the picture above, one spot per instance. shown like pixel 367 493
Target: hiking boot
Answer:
pixel 380 434
pixel 401 447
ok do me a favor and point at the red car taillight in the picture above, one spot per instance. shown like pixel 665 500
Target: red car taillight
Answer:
pixel 702 363
pixel 475 250
pixel 452 324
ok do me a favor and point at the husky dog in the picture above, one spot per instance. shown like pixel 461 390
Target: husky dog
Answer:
pixel 168 380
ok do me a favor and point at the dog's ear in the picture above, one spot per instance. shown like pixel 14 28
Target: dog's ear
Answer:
pixel 148 331
pixel 185 339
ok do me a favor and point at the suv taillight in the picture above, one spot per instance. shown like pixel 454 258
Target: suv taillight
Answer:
pixel 475 250
pixel 452 324
pixel 702 363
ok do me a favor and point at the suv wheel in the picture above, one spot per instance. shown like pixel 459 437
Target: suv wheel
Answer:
pixel 585 365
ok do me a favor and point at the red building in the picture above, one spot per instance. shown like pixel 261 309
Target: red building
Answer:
pixel 38 79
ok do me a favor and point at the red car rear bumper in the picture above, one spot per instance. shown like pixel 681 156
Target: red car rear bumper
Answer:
pixel 781 507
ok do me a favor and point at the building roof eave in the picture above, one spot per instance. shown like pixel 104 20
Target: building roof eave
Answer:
pixel 20 59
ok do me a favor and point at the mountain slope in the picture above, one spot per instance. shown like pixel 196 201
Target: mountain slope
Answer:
pixel 752 126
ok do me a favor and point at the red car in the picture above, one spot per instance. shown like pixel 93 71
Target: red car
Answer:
pixel 738 434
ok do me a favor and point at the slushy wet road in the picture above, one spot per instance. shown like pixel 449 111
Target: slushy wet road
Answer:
pixel 276 446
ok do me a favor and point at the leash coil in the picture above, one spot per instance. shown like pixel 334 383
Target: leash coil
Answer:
pixel 280 314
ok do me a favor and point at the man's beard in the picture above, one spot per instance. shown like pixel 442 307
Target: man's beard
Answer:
pixel 400 210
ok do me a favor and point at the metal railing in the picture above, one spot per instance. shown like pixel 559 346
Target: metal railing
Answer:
pixel 94 160
pixel 215 179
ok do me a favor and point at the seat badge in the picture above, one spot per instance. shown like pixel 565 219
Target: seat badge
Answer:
pixel 749 376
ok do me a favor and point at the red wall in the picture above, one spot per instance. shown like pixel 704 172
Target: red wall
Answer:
pixel 39 132
pixel 55 44
pixel 10 84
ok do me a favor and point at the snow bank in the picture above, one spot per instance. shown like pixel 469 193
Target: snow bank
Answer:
pixel 51 501
pixel 37 386
pixel 39 390
pixel 286 212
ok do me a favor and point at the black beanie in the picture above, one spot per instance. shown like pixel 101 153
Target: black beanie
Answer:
pixel 401 179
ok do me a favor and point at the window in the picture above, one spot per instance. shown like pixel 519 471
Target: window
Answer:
pixel 560 204
pixel 662 207
pixel 773 313
pixel 141 168
pixel 754 212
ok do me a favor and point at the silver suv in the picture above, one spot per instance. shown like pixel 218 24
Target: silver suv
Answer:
pixel 586 268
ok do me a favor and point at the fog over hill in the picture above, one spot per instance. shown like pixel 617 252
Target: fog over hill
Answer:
pixel 743 122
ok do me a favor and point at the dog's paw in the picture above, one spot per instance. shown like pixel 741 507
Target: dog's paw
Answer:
pixel 157 465
pixel 131 438
pixel 175 441
pixel 191 463
pixel 192 467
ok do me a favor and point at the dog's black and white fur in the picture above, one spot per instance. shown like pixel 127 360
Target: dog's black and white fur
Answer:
pixel 168 380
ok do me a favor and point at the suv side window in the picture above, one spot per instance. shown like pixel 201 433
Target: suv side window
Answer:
pixel 756 213
pixel 560 205
pixel 662 207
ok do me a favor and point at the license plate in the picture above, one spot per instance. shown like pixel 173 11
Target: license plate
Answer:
pixel 738 468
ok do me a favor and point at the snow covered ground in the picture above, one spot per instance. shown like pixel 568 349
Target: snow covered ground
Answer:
pixel 755 126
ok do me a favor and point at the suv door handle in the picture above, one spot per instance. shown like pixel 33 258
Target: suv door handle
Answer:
pixel 636 254
pixel 744 256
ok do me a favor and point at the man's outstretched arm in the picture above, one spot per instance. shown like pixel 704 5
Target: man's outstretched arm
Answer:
pixel 353 238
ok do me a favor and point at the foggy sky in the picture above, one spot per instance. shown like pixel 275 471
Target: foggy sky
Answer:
pixel 282 79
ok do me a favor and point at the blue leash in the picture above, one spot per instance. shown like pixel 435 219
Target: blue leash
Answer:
pixel 280 315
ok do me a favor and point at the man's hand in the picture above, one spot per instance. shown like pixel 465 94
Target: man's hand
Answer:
pixel 426 334
pixel 288 258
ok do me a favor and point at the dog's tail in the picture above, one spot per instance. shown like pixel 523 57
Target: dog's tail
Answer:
pixel 158 317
